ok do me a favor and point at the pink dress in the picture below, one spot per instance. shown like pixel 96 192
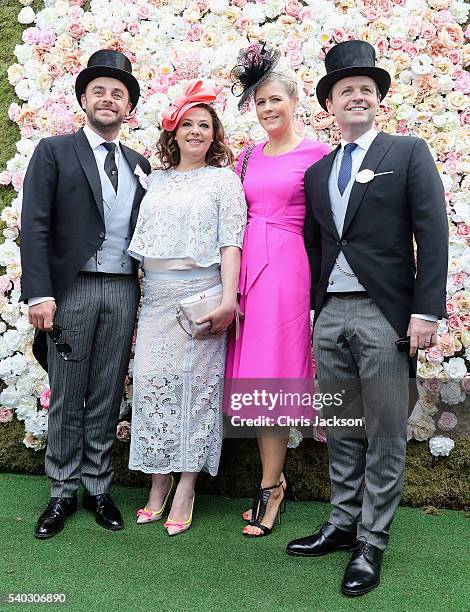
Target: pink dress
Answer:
pixel 274 286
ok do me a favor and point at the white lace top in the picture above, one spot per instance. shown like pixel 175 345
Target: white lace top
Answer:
pixel 190 214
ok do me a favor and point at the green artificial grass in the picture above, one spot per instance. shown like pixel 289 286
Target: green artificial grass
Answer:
pixel 212 567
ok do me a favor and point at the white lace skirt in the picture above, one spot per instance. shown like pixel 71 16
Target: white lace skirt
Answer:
pixel 178 382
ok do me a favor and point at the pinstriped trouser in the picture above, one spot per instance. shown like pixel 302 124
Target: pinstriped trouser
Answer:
pixel 97 314
pixel 355 352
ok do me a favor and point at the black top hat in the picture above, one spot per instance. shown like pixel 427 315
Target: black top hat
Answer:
pixel 108 63
pixel 351 58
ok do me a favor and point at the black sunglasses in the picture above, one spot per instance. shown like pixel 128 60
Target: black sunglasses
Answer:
pixel 63 348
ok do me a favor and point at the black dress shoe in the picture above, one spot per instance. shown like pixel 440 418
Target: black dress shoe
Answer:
pixel 107 515
pixel 328 539
pixel 52 520
pixel 362 573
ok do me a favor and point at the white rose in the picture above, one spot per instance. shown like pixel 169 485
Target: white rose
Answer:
pixel 37 423
pixel 25 89
pixel 31 441
pixel 455 368
pixel 440 446
pixel 23 52
pixel 422 64
pixel 27 406
pixel 218 7
pixel 274 8
pixel 15 74
pixel 9 397
pixel 9 252
pixel 18 364
pixel 462 211
pixel 26 15
pixel 11 233
pixel 452 394
pixel 254 12
pixel 3 327
pixel 25 147
pixel 459 11
pixel 13 340
pixel 464 260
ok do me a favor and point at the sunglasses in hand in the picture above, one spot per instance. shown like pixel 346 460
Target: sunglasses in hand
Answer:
pixel 63 348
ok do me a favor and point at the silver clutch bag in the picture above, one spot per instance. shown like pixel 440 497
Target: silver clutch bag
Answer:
pixel 196 306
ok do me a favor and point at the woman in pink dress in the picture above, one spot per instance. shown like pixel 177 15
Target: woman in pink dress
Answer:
pixel 274 341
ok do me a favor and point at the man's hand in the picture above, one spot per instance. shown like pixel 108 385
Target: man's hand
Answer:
pixel 41 315
pixel 422 334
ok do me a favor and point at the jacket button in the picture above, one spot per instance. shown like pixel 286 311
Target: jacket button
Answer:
pixel 102 234
pixel 344 242
pixel 338 243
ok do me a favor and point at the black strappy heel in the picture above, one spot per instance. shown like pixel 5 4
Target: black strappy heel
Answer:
pixel 258 510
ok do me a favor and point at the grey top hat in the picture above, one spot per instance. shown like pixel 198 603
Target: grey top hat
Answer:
pixel 108 63
pixel 351 58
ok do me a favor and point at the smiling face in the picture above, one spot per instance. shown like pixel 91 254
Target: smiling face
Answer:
pixel 275 108
pixel 106 104
pixel 354 102
pixel 194 135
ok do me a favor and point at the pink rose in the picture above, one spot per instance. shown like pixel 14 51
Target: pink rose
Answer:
pixel 442 18
pixel 396 43
pixel 31 36
pixel 433 385
pixel 5 283
pixel 339 35
pixel 118 27
pixel 243 23
pixel 76 13
pixel 77 2
pixel 306 13
pixel 295 59
pixel 291 44
pixel 76 30
pixel 465 321
pixel 463 83
pixel 55 70
pixel 47 37
pixel 435 355
pixel 447 421
pixel 382 44
pixel 202 5
pixel 5 177
pixel 454 322
pixel 293 8
pixel 6 415
pixel 451 306
pixel 133 28
pixel 195 32
pixel 465 116
pixel 133 122
pixel 371 13
pixel 411 49
pixel 402 127
pixel 459 279
pixel 463 229
pixel 26 131
pixel 17 181
pixel 45 398
pixel 13 111
pixel 143 11
pixel 428 31
pixel 123 431
pixel 352 36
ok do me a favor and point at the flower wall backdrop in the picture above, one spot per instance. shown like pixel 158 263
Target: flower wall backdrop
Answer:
pixel 420 42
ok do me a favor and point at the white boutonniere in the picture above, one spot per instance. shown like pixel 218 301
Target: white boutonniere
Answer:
pixel 142 176
pixel 365 176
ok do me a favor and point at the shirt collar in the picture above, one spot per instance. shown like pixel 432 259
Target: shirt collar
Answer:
pixel 95 139
pixel 363 141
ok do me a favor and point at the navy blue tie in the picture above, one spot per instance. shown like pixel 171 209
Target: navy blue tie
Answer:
pixel 344 174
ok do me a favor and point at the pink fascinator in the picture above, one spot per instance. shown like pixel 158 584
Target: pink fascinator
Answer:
pixel 195 93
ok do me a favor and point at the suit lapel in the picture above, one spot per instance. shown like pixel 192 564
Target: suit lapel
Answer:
pixel 87 161
pixel 371 161
pixel 132 159
pixel 324 192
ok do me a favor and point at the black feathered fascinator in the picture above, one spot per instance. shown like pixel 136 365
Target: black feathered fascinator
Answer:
pixel 254 64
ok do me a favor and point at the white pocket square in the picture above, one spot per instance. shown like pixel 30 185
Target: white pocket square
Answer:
pixel 142 176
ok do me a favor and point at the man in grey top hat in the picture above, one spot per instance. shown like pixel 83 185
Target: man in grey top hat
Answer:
pixel 375 304
pixel 81 198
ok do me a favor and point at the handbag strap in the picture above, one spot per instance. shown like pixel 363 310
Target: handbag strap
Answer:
pixel 179 318
pixel 246 157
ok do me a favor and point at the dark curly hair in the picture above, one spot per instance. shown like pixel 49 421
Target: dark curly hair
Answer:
pixel 218 155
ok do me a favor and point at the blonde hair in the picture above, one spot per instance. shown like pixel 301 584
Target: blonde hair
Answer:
pixel 290 85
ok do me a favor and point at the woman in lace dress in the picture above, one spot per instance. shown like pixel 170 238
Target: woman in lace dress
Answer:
pixel 188 234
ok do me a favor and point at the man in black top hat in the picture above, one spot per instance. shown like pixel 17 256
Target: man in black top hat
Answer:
pixel 366 202
pixel 80 203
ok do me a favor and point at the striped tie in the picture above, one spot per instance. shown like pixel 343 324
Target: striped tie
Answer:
pixel 344 174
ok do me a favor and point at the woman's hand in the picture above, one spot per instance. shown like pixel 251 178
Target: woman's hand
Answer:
pixel 220 318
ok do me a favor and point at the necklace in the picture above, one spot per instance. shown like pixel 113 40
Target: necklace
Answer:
pixel 285 149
